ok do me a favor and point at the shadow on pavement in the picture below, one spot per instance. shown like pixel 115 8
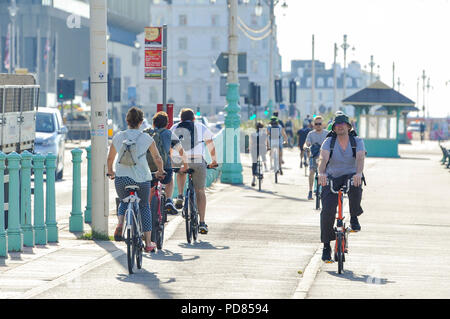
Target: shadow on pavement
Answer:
pixel 148 279
pixel 166 254
pixel 202 245
pixel 370 280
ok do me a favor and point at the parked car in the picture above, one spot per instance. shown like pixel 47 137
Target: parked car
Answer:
pixel 51 136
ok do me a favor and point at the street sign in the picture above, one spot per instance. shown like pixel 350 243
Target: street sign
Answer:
pixel 153 36
pixel 278 92
pixel 222 62
pixel 243 86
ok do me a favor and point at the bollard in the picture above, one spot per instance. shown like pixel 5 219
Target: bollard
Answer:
pixel 3 239
pixel 76 216
pixel 88 212
pixel 50 204
pixel 15 235
pixel 25 199
pixel 40 230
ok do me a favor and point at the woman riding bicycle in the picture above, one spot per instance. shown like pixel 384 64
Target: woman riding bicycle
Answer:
pixel 137 174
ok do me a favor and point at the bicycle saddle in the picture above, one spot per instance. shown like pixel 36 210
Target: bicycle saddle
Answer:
pixel 132 188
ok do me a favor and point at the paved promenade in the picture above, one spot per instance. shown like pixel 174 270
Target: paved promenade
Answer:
pixel 264 244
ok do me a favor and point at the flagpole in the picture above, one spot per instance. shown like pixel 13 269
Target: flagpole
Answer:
pixel 47 64
pixel 9 48
pixel 38 56
pixel 55 65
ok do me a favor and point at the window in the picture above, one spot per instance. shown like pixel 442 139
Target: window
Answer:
pixel 320 82
pixel 348 82
pixel 182 43
pixel 215 43
pixel 188 96
pixel 308 82
pixel 330 82
pixel 209 95
pixel 182 68
pixel 215 20
pixel 182 19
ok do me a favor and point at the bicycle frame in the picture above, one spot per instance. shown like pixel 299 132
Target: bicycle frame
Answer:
pixel 132 214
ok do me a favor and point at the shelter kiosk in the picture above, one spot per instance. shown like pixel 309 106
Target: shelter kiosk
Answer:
pixel 379 131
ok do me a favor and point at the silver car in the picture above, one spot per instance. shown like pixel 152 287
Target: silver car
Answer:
pixel 51 136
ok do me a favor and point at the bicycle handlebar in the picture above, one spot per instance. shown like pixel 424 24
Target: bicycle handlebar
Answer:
pixel 344 188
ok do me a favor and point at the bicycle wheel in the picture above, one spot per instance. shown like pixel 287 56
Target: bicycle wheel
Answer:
pixel 137 247
pixel 194 218
pixel 154 205
pixel 340 253
pixel 130 250
pixel 259 175
pixel 187 217
pixel 160 229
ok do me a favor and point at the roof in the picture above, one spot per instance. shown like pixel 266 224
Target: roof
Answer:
pixel 378 93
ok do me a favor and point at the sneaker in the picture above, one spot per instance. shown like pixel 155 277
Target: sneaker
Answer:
pixel 281 171
pixel 203 228
pixel 310 197
pixel 253 181
pixel 170 207
pixel 118 233
pixel 179 202
pixel 354 224
pixel 326 254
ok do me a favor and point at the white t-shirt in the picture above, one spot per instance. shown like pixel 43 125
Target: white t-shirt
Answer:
pixel 203 135
pixel 140 172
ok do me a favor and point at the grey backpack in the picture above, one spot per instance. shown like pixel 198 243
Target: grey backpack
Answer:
pixel 128 152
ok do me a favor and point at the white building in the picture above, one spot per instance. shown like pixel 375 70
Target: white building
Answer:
pixel 197 35
pixel 324 97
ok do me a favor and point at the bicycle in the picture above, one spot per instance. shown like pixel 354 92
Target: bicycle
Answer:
pixel 317 188
pixel 132 230
pixel 305 159
pixel 190 211
pixel 158 211
pixel 275 159
pixel 341 246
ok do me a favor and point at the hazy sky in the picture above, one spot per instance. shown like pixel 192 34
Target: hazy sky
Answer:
pixel 412 33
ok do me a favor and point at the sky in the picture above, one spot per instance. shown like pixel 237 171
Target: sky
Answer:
pixel 413 34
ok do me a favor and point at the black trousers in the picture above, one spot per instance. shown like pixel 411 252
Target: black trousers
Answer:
pixel 330 203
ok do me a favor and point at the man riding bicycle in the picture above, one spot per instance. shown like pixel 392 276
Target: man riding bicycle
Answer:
pixel 193 135
pixel 314 140
pixel 341 161
pixel 275 140
pixel 168 141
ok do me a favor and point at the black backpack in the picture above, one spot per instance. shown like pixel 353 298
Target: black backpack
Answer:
pixel 351 136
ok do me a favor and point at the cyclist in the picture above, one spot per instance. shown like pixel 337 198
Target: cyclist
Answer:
pixel 169 141
pixel 138 174
pixel 254 147
pixel 314 140
pixel 330 122
pixel 275 140
pixel 302 133
pixel 346 161
pixel 192 134
pixel 283 132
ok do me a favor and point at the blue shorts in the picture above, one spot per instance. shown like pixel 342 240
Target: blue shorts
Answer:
pixel 313 163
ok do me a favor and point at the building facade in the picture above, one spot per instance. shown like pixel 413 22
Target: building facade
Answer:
pixel 52 39
pixel 325 100
pixel 197 35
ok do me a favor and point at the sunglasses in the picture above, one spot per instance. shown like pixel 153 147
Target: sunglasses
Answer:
pixel 317 124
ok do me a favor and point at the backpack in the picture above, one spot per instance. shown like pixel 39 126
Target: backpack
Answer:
pixel 188 135
pixel 351 136
pixel 156 135
pixel 315 150
pixel 128 152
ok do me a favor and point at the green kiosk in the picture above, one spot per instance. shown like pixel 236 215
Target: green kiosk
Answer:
pixel 380 132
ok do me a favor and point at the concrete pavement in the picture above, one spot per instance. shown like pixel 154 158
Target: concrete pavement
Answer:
pixel 258 243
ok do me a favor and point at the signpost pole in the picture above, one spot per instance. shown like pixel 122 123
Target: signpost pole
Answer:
pixel 164 60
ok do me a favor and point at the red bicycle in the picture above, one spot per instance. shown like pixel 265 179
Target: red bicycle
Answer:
pixel 159 214
pixel 341 246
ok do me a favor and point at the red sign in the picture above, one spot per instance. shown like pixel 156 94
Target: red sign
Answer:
pixel 153 58
pixel 169 111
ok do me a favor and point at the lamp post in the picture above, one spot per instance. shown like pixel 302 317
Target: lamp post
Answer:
pixel 334 77
pixel 13 9
pixel 423 93
pixel 345 46
pixel 232 167
pixel 258 12
pixel 371 64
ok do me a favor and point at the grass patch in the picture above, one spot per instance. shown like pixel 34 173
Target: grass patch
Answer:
pixel 96 236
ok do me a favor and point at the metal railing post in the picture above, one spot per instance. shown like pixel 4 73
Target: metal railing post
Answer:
pixel 3 238
pixel 87 212
pixel 25 199
pixel 15 235
pixel 50 204
pixel 40 230
pixel 76 216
